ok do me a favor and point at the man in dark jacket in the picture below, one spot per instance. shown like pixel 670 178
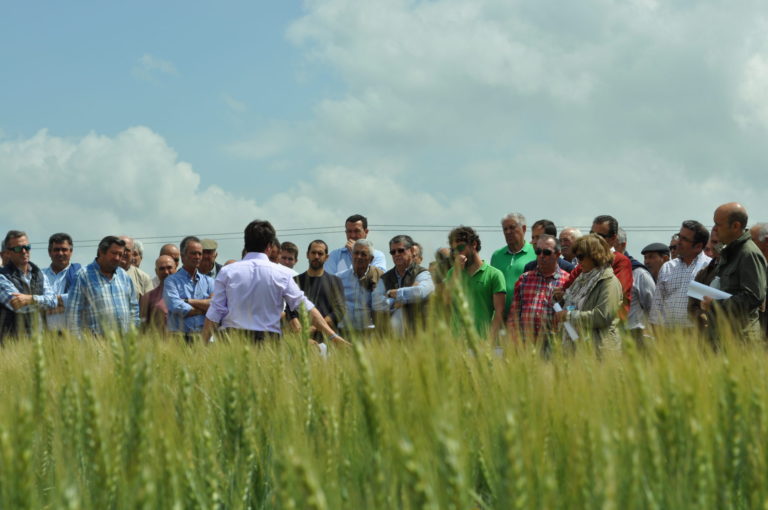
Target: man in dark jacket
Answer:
pixel 402 292
pixel 24 289
pixel 321 287
pixel 741 272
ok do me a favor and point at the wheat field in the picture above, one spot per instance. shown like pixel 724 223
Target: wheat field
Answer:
pixel 435 421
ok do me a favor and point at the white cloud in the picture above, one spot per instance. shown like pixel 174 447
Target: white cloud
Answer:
pixel 561 110
pixel 135 184
pixel 148 67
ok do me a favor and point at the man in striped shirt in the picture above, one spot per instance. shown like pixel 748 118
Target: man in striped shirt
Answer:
pixel 103 297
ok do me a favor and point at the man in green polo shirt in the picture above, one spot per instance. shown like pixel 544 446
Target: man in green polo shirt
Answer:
pixel 512 258
pixel 483 284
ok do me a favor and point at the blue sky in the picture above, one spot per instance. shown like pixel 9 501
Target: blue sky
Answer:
pixel 159 120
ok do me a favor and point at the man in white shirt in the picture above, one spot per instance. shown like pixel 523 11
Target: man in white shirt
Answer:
pixel 670 299
pixel 249 294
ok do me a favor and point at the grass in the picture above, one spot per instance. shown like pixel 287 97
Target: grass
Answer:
pixel 427 423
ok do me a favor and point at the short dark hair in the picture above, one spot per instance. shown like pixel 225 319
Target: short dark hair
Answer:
pixel 108 241
pixel 258 235
pixel 275 243
pixel 290 248
pixel 740 216
pixel 402 238
pixel 12 234
pixel 549 227
pixel 184 242
pixel 358 217
pixel 613 224
pixel 464 234
pixel 317 241
pixel 700 232
pixel 59 238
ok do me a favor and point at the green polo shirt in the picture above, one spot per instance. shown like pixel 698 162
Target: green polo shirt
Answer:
pixel 512 264
pixel 479 289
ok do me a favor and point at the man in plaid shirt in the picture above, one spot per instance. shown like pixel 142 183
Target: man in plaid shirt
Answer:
pixel 531 313
pixel 103 297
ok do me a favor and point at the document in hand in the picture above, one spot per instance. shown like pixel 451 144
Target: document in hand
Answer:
pixel 567 324
pixel 699 291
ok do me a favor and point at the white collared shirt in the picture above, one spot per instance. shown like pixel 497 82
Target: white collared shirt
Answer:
pixel 249 294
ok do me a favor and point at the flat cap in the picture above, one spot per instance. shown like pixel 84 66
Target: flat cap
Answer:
pixel 209 244
pixel 656 247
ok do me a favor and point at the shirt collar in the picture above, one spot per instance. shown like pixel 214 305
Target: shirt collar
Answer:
pixel 255 255
pixel 525 249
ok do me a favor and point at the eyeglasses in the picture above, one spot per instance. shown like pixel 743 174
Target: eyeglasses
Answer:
pixel 397 250
pixel 546 251
pixel 19 249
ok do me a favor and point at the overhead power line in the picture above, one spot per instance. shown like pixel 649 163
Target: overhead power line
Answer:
pixel 322 230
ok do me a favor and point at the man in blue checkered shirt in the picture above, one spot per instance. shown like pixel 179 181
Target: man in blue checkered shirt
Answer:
pixel 103 297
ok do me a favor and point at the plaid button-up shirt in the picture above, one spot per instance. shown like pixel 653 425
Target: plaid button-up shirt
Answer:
pixel 531 312
pixel 101 304
pixel 670 299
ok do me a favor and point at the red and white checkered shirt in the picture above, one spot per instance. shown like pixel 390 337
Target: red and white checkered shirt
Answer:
pixel 531 312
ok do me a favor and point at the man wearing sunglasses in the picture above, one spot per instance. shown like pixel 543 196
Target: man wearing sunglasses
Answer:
pixel 24 289
pixel 402 291
pixel 532 315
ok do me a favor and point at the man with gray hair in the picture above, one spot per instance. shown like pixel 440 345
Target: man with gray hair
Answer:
pixel 142 282
pixel 568 237
pixel 402 292
pixel 24 288
pixel 137 255
pixel 512 258
pixel 359 281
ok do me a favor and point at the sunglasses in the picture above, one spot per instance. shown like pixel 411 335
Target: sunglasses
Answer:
pixel 459 248
pixel 672 246
pixel 19 249
pixel 580 256
pixel 546 251
pixel 397 251
pixel 604 236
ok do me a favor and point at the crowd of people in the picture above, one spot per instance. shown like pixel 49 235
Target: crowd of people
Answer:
pixel 544 289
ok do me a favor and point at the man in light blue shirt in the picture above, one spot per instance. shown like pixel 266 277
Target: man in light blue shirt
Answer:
pixel 103 298
pixel 187 293
pixel 61 275
pixel 340 259
pixel 359 282
pixel 402 291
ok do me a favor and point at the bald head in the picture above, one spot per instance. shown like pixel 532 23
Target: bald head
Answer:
pixel 172 251
pixel 164 267
pixel 730 221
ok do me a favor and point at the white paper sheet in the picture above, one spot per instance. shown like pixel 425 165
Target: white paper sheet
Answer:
pixel 567 325
pixel 698 290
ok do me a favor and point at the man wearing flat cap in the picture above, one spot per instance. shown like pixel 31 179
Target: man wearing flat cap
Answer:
pixel 655 254
pixel 209 266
